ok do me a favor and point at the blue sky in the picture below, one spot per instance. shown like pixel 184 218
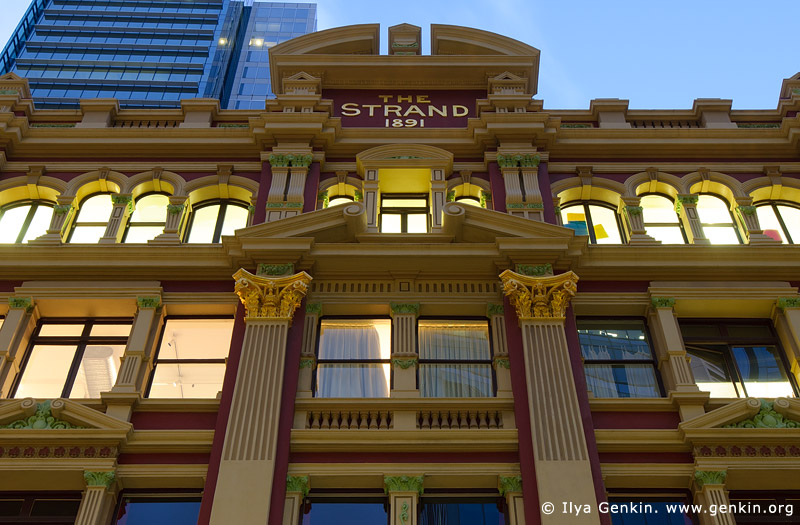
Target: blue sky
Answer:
pixel 656 54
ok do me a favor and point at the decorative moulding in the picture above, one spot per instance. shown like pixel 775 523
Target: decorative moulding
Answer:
pixel 509 484
pixel 403 484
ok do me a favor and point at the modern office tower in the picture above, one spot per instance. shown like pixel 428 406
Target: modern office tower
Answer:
pixel 404 293
pixel 151 54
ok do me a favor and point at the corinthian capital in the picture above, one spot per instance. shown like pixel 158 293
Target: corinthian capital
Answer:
pixel 539 297
pixel 271 297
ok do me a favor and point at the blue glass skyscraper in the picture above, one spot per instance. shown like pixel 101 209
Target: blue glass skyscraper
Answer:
pixel 151 53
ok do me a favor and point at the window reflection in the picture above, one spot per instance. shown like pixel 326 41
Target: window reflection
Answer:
pixel 328 511
pixel 143 509
pixel 660 219
pixel 148 219
pixel 92 219
pixel 19 223
pixel 598 222
pixel 780 221
pixel 716 220
pixel 211 221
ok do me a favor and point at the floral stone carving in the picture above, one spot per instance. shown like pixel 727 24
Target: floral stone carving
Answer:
pixel 99 479
pixel 539 297
pixel 271 297
pixel 767 417
pixel 510 484
pixel 43 419
pixel 403 484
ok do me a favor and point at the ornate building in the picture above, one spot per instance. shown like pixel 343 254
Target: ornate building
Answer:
pixel 404 293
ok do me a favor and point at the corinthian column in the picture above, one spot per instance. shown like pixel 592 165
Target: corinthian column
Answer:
pixel 246 472
pixel 559 445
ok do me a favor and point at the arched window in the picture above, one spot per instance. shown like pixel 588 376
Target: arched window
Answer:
pixel 92 219
pixel 467 193
pixel 716 220
pixel 341 193
pixel 340 199
pixel 660 219
pixel 781 221
pixel 22 221
pixel 148 219
pixel 210 221
pixel 597 221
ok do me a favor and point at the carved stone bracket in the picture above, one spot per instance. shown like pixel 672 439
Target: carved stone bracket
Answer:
pixel 539 297
pixel 271 297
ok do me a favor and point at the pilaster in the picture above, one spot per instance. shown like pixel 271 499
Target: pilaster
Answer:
pixel 371 199
pixel 177 211
pixel 438 198
pixel 560 450
pixel 297 488
pixel 787 323
pixel 17 328
pixel 748 219
pixel 633 216
pixel 63 214
pixel 709 489
pixel 246 471
pixel 521 179
pixel 686 207
pixel 510 487
pixel 286 192
pixel 501 363
pixel 120 211
pixel 404 351
pixel 404 492
pixel 98 498
pixel 308 360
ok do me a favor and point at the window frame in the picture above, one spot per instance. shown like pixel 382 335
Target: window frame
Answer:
pixel 166 494
pixel 678 222
pixel 729 341
pixel 490 361
pixel 318 361
pixel 590 222
pixel 34 205
pixel 80 342
pixel 28 499
pixel 404 212
pixel 130 222
pixel 733 224
pixel 75 223
pixel 223 207
pixel 774 205
pixel 157 350
pixel 648 339
pixel 345 496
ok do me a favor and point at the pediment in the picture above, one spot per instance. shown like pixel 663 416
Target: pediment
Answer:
pixel 10 76
pixel 53 415
pixel 750 413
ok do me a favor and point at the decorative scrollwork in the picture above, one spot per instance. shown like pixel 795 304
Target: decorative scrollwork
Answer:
pixel 271 297
pixel 539 297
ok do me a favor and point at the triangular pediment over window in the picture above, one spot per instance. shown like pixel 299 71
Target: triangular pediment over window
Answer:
pixel 55 415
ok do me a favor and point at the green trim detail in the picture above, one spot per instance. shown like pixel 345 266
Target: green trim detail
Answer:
pixel 634 211
pixel 295 161
pixel 62 209
pixel 358 196
pixel 709 477
pixel 297 484
pixel 52 125
pixel 294 204
pixel 121 199
pixel 526 206
pixel 229 125
pixel 405 364
pixel 21 303
pixel 43 419
pixel 494 309
pixel 485 197
pixel 796 91
pixel 747 210
pixel 175 209
pixel 323 196
pixel 766 418
pixel 148 302
pixel 275 269
pixel 573 125
pixel 412 45
pixel 314 308
pixel 785 302
pixel 451 196
pixel 535 270
pixel 762 125
pixel 688 199
pixel 662 302
pixel 523 161
pixel 404 308
pixel 404 512
pixel 10 92
pixel 99 479
pixel 510 484
pixel 403 484
pixel 307 362
pixel 275 205
pixel 503 362
pixel 403 157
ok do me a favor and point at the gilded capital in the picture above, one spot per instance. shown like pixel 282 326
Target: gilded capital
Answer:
pixel 539 297
pixel 271 297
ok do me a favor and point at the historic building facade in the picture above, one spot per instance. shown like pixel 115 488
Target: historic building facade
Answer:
pixel 404 293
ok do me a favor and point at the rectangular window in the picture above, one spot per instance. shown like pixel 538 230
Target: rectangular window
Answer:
pixel 74 358
pixel 191 356
pixel 455 359
pixel 147 509
pixel 461 511
pixel 55 508
pixel 404 213
pixel 739 358
pixel 618 361
pixel 354 358
pixel 346 511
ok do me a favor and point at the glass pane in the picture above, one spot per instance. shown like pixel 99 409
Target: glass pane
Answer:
pixel 152 208
pixel 605 225
pixel 721 234
pixel 187 380
pixel 711 372
pixel 705 331
pixel 353 380
pixel 11 223
pixel 196 339
pixel 454 340
pixel 339 200
pixel 98 371
pixel 87 234
pixel 204 220
pixel 61 330
pixel 791 218
pixel 151 511
pixel 713 210
pixel 39 223
pixel 762 371
pixel 142 234
pixel 11 507
pixel 391 223
pixel 235 218
pixel 653 513
pixel 453 513
pixel 666 234
pixel 656 208
pixel 55 507
pixel 110 330
pixel 346 514
pixel 388 202
pixel 46 371
pixel 455 380
pixel 605 339
pixel 621 380
pixel 575 217
pixel 749 330
pixel 769 223
pixel 417 223
pixel 470 201
pixel 95 209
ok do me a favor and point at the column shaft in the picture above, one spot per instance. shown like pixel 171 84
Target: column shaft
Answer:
pixel 96 506
pixel 17 328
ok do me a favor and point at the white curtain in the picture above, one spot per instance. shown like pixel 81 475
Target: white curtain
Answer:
pixel 453 341
pixel 352 341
